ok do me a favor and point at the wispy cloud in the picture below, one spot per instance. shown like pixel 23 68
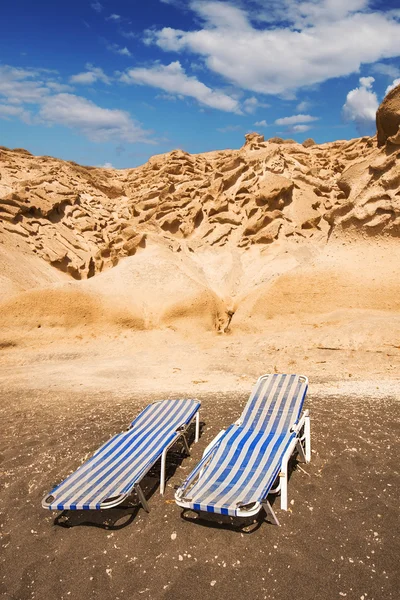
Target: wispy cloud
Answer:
pixel 262 123
pixel 8 111
pixel 19 86
pixel 386 69
pixel 90 76
pixel 33 97
pixel 250 105
pixel 123 51
pixel 173 80
pixel 300 128
pixel 56 86
pixel 113 17
pixel 97 6
pixel 229 128
pixel 303 106
pixel 294 119
pixel 129 35
pixel 98 124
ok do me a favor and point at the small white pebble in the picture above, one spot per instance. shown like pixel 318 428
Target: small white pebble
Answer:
pixel 173 536
pixel 213 582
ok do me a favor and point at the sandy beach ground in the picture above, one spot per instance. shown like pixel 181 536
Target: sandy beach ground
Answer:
pixel 339 538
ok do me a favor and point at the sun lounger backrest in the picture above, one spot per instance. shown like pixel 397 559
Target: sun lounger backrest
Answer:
pixel 275 403
pixel 165 414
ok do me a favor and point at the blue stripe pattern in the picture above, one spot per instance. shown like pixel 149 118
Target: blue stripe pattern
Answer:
pixel 243 465
pixel 122 461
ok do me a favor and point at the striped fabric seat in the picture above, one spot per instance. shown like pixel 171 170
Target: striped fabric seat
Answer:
pixel 113 471
pixel 241 467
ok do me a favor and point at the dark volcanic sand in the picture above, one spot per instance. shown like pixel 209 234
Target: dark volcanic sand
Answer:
pixel 340 538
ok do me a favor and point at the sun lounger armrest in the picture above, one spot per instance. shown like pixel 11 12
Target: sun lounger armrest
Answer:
pixel 213 442
pixel 197 471
pixel 300 424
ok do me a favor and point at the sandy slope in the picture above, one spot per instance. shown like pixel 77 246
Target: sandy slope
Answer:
pixel 280 245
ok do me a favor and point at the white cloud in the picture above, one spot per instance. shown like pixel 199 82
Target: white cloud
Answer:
pixel 173 80
pixel 123 51
pixel 98 124
pixel 294 119
pixel 56 86
pixel 308 12
pixel 130 35
pixel 8 111
pixel 107 165
pixel 21 85
pixel 91 75
pixel 222 15
pixel 113 17
pixel 97 6
pixel 250 105
pixel 391 87
pixel 361 106
pixel 262 123
pixel 300 128
pixel 367 82
pixel 119 50
pixel 385 69
pixel 324 39
pixel 303 106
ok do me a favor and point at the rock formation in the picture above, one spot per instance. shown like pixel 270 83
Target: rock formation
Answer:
pixel 388 119
pixel 220 224
pixel 82 220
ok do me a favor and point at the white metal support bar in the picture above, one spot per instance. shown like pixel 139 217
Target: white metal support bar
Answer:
pixel 181 434
pixel 283 475
pixel 162 474
pixel 284 481
pixel 307 432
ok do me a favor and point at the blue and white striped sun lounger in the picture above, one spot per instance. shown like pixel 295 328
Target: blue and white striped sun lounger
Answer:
pixel 117 468
pixel 240 466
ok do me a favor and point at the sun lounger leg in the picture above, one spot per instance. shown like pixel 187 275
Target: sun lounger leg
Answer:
pixel 269 510
pixel 197 435
pixel 307 433
pixel 185 443
pixel 283 475
pixel 162 475
pixel 142 498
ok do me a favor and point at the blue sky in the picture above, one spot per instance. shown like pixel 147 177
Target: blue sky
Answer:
pixel 113 82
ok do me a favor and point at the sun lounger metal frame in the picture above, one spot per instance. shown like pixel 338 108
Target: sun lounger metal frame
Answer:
pixel 300 443
pixel 181 433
